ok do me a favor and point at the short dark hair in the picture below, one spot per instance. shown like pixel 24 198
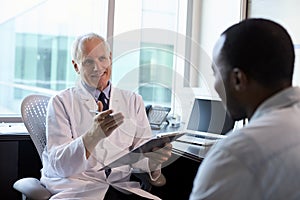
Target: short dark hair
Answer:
pixel 262 48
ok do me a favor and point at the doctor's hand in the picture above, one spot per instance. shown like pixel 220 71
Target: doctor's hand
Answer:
pixel 103 125
pixel 100 106
pixel 159 155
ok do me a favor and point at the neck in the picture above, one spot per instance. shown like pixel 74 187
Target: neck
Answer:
pixel 101 88
pixel 259 95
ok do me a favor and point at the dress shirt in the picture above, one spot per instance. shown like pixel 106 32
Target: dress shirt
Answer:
pixel 95 92
pixel 258 161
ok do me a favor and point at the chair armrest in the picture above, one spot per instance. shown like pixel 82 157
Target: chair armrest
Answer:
pixel 32 188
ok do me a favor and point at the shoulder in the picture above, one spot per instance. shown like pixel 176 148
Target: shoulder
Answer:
pixel 130 95
pixel 70 95
pixel 238 147
pixel 237 142
pixel 123 91
pixel 224 168
pixel 66 93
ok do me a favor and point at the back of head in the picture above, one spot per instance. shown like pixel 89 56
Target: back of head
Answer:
pixel 261 48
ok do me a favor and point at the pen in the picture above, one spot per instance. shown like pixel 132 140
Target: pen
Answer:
pixel 94 111
pixel 97 112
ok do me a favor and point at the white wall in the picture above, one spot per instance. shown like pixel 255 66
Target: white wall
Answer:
pixel 217 15
pixel 211 19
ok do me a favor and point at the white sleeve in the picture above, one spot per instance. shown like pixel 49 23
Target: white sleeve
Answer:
pixel 66 155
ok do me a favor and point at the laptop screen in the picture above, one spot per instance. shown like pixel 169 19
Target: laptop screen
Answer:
pixel 209 116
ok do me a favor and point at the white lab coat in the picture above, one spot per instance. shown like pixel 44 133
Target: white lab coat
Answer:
pixel 66 171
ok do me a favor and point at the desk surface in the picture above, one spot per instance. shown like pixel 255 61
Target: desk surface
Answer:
pixel 24 156
pixel 194 152
pixel 13 131
pixel 17 131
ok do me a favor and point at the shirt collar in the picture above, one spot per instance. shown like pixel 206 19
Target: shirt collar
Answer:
pixel 284 98
pixel 95 92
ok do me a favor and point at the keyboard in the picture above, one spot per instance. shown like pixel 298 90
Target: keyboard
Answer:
pixel 199 139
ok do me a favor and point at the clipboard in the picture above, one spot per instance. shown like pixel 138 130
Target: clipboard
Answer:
pixel 136 154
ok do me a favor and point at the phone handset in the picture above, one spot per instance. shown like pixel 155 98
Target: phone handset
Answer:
pixel 157 115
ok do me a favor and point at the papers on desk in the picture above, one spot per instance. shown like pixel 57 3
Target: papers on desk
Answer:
pixel 195 144
pixel 199 138
pixel 13 128
pixel 189 150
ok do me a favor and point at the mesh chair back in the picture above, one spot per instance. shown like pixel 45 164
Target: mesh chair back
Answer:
pixel 34 110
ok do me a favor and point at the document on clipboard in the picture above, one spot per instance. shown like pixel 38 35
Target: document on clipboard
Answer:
pixel 136 154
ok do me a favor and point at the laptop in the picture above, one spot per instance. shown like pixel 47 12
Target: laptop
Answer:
pixel 208 122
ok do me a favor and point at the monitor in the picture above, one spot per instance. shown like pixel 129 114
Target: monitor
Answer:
pixel 209 115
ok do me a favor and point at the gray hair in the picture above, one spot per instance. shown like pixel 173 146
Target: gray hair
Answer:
pixel 77 50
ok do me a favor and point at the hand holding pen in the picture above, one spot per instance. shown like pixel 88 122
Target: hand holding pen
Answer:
pixel 104 123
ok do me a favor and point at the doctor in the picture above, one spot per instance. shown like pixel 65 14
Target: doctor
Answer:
pixel 80 143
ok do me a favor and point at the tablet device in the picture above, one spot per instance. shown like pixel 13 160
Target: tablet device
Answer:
pixel 137 153
pixel 157 141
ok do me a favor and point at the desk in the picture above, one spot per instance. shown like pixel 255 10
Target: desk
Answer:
pixel 180 170
pixel 19 159
pixel 189 151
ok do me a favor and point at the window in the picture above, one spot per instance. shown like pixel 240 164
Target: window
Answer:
pixel 149 41
pixel 156 64
pixel 36 38
pixel 145 42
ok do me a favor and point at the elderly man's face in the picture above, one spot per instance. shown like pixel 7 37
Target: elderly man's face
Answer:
pixel 95 66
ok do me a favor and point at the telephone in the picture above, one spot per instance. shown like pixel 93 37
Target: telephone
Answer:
pixel 157 115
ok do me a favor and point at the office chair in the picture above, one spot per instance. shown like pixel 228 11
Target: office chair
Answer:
pixel 33 111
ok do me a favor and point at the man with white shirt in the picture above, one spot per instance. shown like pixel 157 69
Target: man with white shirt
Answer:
pixel 253 63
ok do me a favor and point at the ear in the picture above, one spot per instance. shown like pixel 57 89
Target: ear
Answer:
pixel 239 79
pixel 75 66
pixel 110 57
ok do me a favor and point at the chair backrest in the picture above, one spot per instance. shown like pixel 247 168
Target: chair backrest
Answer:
pixel 33 111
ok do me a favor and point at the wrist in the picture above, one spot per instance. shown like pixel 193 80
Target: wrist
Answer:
pixel 154 166
pixel 90 140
